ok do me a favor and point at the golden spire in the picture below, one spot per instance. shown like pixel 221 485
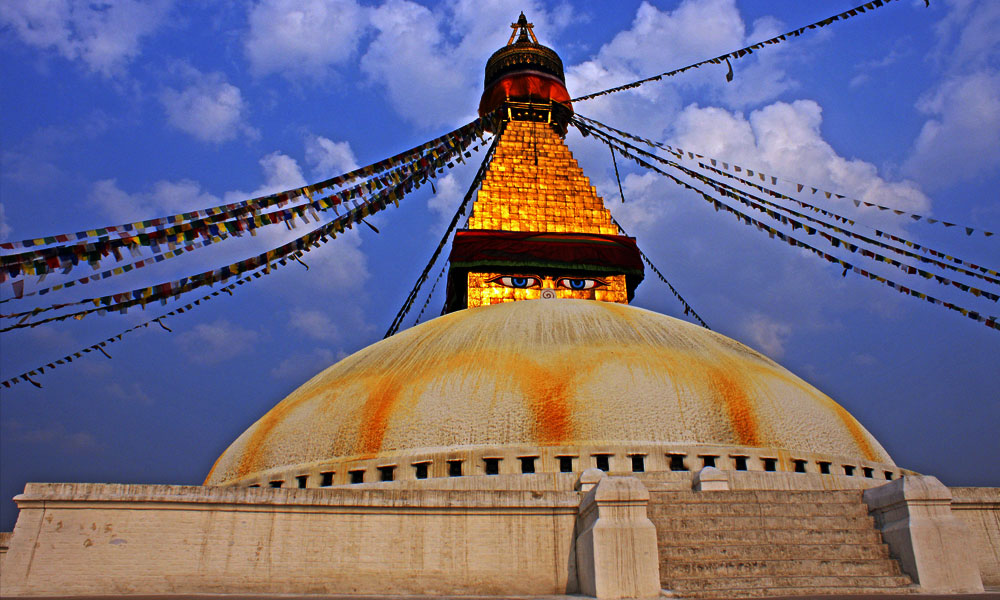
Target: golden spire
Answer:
pixel 525 28
pixel 538 229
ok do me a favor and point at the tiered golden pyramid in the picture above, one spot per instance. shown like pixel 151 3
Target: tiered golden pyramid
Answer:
pixel 535 184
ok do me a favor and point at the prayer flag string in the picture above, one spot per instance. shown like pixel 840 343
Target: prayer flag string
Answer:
pixel 980 272
pixel 19 292
pixel 42 261
pixel 680 153
pixel 989 321
pixel 69 358
pixel 163 291
pixel 431 293
pixel 736 54
pixel 355 215
pixel 687 307
pixel 756 203
pixel 365 172
pixel 408 303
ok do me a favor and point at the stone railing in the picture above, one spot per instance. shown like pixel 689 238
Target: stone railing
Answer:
pixel 930 543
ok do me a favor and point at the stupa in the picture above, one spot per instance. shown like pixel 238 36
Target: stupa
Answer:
pixel 578 380
pixel 543 437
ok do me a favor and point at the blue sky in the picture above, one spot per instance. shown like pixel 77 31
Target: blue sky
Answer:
pixel 123 110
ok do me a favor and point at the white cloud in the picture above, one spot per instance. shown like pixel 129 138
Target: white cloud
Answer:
pixel 315 324
pixel 449 195
pixel 339 266
pixel 646 200
pixel 208 108
pixel 31 162
pixel 52 435
pixel 867 68
pixel 785 140
pixel 105 36
pixel 411 59
pixel 767 335
pixel 329 158
pixel 131 393
pixel 696 29
pixel 218 341
pixel 5 229
pixel 968 38
pixel 299 38
pixel 301 366
pixel 165 198
pixel 52 339
pixel 281 172
pixel 960 140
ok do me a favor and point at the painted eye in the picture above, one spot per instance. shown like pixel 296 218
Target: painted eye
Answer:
pixel 573 283
pixel 517 282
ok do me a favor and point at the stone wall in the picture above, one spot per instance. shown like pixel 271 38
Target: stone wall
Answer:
pixel 979 509
pixel 497 535
pixel 155 539
pixel 4 544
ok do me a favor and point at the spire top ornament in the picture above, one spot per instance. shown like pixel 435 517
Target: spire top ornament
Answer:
pixel 525 29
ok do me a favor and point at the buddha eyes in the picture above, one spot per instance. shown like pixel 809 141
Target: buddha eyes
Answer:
pixel 517 282
pixel 574 283
pixel 531 281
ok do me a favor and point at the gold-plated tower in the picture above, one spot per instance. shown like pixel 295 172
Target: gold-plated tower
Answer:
pixel 538 229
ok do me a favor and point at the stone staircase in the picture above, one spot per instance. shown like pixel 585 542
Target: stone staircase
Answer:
pixel 742 544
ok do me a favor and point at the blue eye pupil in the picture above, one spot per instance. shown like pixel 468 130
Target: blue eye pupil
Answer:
pixel 577 284
pixel 519 282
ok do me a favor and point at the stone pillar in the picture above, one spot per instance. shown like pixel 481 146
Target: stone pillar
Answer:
pixel 616 554
pixel 932 546
pixel 710 479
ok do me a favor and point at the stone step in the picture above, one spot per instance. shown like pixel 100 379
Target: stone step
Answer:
pixel 670 552
pixel 680 486
pixel 780 585
pixel 798 591
pixel 803 509
pixel 712 569
pixel 696 523
pixel 759 496
pixel 865 535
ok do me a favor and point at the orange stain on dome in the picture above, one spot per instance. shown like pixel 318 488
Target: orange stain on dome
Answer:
pixel 378 408
pixel 857 433
pixel 253 451
pixel 548 391
pixel 742 415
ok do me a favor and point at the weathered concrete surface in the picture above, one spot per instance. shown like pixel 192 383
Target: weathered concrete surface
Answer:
pixel 979 509
pixel 931 544
pixel 743 544
pixel 616 552
pixel 4 545
pixel 128 539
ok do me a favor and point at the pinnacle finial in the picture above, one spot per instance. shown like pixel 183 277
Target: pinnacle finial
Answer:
pixel 524 28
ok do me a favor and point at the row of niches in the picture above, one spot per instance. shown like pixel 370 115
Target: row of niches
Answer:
pixel 512 461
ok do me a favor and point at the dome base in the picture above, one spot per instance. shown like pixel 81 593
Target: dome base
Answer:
pixel 620 458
